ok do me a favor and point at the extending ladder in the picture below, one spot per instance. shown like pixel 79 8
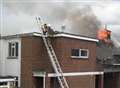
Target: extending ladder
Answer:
pixel 55 63
pixel 56 66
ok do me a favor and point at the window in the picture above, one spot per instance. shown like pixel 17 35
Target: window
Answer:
pixel 79 53
pixel 84 52
pixel 75 52
pixel 13 49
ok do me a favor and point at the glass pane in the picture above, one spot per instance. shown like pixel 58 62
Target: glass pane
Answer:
pixel 13 51
pixel 75 52
pixel 9 49
pixel 16 47
pixel 83 52
pixel 3 83
pixel 13 44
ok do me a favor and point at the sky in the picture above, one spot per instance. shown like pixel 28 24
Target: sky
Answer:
pixel 18 16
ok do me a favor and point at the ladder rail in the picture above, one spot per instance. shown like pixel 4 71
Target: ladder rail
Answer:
pixel 53 63
pixel 53 58
pixel 49 54
pixel 59 73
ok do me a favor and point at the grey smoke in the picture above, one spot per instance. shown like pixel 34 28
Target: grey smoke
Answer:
pixel 84 22
pixel 19 17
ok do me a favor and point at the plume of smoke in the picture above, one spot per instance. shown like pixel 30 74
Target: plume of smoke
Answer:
pixel 83 22
pixel 77 19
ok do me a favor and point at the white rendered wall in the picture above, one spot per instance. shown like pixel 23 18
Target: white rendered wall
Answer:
pixel 11 67
pixel 2 57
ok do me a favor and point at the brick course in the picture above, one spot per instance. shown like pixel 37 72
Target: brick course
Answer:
pixel 34 57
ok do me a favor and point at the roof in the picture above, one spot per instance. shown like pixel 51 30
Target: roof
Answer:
pixel 60 34
pixel 17 35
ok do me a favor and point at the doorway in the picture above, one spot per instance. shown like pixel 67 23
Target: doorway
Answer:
pixel 99 81
pixel 111 80
pixel 38 82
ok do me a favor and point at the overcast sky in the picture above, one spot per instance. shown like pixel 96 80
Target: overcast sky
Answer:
pixel 18 16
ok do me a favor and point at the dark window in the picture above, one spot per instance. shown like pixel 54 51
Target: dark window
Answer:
pixel 75 52
pixel 13 49
pixel 3 83
pixel 10 49
pixel 79 53
pixel 16 48
pixel 84 52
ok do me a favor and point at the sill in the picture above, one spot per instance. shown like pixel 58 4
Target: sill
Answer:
pixel 79 57
pixel 12 57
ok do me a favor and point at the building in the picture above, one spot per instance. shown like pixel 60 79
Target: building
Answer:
pixel 108 61
pixel 25 56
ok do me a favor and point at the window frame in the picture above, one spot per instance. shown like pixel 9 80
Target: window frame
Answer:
pixel 86 55
pixel 13 50
pixel 77 52
pixel 80 56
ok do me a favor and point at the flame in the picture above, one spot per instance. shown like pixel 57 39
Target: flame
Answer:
pixel 103 34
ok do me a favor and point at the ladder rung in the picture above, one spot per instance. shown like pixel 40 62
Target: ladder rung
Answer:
pixel 55 63
pixel 53 58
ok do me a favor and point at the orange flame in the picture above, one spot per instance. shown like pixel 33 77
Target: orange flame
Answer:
pixel 103 34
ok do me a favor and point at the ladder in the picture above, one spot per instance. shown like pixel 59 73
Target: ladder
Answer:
pixel 53 58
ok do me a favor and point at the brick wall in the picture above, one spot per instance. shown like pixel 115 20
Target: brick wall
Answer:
pixel 82 81
pixel 76 82
pixel 34 57
pixel 63 48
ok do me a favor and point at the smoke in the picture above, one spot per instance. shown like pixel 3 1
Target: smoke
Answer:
pixel 19 17
pixel 83 21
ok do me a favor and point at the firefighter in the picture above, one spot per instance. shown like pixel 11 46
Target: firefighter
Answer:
pixel 50 30
pixel 44 29
pixel 47 30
